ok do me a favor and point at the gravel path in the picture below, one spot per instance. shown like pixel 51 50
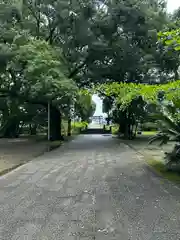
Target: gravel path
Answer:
pixel 91 188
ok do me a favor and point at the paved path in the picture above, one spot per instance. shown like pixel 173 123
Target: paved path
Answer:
pixel 92 188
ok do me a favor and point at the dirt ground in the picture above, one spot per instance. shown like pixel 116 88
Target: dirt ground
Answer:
pixel 14 152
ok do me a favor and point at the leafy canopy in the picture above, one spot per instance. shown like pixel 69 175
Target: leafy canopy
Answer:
pixel 39 73
pixel 124 93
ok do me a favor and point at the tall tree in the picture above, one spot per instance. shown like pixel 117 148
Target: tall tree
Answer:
pixel 84 107
pixel 101 40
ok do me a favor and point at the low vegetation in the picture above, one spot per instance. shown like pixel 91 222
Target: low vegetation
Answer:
pixel 161 170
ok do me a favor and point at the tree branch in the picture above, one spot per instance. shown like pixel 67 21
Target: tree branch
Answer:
pixel 76 70
pixel 50 37
pixel 13 94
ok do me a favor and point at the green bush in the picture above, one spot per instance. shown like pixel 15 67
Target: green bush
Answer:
pixel 115 129
pixel 149 126
pixel 78 126
pixel 75 127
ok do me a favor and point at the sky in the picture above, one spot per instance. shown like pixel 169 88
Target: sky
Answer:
pixel 171 6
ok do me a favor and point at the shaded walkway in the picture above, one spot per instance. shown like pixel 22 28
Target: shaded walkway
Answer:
pixel 92 188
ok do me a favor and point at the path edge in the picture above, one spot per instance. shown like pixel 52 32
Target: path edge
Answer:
pixel 150 168
pixel 15 167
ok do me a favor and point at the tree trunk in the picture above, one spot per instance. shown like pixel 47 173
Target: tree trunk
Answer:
pixel 125 129
pixel 11 128
pixel 135 130
pixel 55 124
pixel 69 127
pixel 127 132
pixel 21 128
pixel 124 125
pixel 131 132
pixel 33 129
pixel 176 74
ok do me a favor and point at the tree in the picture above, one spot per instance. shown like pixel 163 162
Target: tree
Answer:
pixel 45 44
pixel 169 50
pixel 169 124
pixel 169 111
pixel 101 40
pixel 43 79
pixel 125 41
pixel 131 101
pixel 61 23
pixel 36 75
pixel 107 107
pixel 85 107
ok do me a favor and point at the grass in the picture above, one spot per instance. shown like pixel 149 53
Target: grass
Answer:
pixel 160 169
pixel 144 133
pixel 153 156
pixel 75 127
pixel 149 133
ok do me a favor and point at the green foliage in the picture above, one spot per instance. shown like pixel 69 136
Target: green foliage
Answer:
pixel 33 72
pixel 107 104
pixel 171 39
pixel 161 170
pixel 111 41
pixel 84 106
pixel 124 93
pixel 115 129
pixel 42 72
pixel 78 126
pixel 132 102
pixel 75 127
pixel 169 125
pixel 169 48
pixel 149 126
pixel 48 48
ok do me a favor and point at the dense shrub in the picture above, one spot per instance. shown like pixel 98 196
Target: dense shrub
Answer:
pixel 115 129
pixel 149 126
pixel 78 126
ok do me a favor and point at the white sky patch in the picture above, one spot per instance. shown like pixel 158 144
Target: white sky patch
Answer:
pixel 172 5
pixel 98 102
